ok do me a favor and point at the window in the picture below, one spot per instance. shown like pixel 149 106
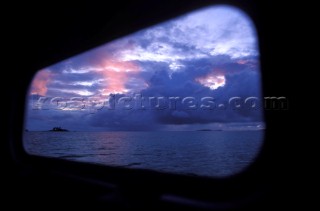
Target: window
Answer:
pixel 182 97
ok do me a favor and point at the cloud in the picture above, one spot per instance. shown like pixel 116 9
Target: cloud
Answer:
pixel 40 82
pixel 116 74
pixel 180 114
pixel 209 32
pixel 213 81
pixel 209 53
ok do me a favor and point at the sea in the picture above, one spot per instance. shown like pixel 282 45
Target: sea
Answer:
pixel 202 153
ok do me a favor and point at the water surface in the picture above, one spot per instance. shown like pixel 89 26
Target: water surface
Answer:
pixel 204 153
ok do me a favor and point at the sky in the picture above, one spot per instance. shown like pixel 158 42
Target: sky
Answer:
pixel 198 71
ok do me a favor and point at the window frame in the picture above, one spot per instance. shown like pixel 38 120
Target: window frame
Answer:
pixel 243 186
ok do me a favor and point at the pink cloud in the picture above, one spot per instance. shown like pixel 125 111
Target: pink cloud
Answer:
pixel 116 74
pixel 40 82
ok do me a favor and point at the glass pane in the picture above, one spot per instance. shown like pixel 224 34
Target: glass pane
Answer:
pixel 182 97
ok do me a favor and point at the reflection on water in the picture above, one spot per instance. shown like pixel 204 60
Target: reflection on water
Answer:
pixel 205 153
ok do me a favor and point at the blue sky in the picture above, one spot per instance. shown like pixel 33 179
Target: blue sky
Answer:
pixel 208 55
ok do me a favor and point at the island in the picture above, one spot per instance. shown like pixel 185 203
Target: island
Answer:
pixel 58 129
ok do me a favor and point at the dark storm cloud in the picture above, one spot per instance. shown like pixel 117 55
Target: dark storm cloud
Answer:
pixel 181 85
